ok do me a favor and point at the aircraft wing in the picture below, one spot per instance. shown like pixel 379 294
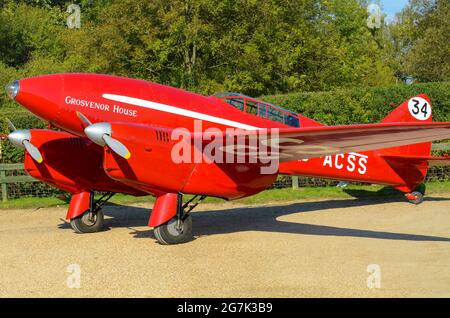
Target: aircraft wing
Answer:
pixel 318 141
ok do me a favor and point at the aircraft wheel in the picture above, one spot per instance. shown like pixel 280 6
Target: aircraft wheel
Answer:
pixel 87 223
pixel 174 233
pixel 415 197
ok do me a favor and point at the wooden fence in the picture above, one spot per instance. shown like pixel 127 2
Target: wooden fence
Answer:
pixel 4 179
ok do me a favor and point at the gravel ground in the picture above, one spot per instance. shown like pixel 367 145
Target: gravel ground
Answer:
pixel 328 248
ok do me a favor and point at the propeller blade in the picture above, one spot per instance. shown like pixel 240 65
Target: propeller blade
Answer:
pixel 33 151
pixel 84 119
pixel 21 139
pixel 11 125
pixel 116 146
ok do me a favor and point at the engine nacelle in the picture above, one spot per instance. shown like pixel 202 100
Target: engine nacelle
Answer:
pixel 71 163
pixel 153 168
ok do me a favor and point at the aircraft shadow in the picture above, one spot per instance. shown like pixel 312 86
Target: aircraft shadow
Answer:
pixel 384 193
pixel 264 218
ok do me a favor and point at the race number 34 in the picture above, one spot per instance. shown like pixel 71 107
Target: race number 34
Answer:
pixel 419 108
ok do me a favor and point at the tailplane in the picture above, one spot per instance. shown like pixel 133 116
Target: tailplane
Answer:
pixel 416 109
pixel 411 162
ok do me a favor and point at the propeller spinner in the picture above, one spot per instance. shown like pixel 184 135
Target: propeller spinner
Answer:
pixel 100 133
pixel 21 139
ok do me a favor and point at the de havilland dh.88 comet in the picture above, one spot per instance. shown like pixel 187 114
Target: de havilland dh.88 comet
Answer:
pixel 119 135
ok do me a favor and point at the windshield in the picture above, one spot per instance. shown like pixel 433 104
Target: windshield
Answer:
pixel 259 108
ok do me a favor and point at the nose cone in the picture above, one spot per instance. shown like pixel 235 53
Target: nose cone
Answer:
pixel 96 131
pixel 41 95
pixel 18 136
pixel 13 89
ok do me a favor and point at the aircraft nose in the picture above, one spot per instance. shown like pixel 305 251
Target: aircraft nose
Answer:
pixel 41 95
pixel 12 89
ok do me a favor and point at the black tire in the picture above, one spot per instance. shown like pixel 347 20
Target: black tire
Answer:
pixel 83 223
pixel 419 197
pixel 168 234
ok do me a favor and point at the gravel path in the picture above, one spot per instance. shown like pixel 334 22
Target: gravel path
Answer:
pixel 296 249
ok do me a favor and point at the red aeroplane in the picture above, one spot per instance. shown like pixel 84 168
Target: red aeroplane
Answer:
pixel 113 134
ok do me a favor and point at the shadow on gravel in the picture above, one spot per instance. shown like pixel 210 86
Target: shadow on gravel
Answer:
pixel 264 218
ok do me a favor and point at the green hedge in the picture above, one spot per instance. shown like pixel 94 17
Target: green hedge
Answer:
pixel 363 105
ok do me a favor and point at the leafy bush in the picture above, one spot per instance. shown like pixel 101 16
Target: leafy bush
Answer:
pixel 363 105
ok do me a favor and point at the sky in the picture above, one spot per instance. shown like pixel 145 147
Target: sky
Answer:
pixel 391 7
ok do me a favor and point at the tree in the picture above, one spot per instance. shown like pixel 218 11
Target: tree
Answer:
pixel 421 39
pixel 248 46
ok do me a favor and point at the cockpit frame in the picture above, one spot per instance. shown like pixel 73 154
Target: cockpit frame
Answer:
pixel 260 108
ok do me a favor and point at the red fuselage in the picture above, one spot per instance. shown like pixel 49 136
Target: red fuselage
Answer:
pixel 145 114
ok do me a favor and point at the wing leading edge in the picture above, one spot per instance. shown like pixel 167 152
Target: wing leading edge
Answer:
pixel 310 142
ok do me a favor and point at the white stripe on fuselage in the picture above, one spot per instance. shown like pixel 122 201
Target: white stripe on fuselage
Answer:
pixel 358 154
pixel 176 110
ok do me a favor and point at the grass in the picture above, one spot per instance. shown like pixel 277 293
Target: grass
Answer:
pixel 351 191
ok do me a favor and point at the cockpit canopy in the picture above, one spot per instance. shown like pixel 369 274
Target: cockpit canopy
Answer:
pixel 259 108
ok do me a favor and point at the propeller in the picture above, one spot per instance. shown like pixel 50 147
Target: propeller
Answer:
pixel 84 119
pixel 11 125
pixel 117 146
pixel 21 139
pixel 100 133
pixel 33 151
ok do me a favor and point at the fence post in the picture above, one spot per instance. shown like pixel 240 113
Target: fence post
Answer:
pixel 294 182
pixel 4 186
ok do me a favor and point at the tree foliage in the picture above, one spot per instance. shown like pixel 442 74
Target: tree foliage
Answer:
pixel 250 46
pixel 421 37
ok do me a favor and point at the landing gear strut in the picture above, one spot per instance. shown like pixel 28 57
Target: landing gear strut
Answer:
pixel 92 220
pixel 178 229
pixel 415 197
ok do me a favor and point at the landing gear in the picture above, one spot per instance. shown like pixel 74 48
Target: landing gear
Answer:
pixel 174 231
pixel 91 221
pixel 88 222
pixel 178 229
pixel 415 197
